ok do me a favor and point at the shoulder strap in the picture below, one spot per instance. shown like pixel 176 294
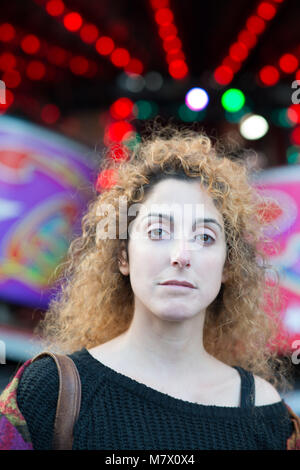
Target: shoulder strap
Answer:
pixel 247 387
pixel 69 399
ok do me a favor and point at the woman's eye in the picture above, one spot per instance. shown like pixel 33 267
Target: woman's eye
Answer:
pixel 155 237
pixel 206 235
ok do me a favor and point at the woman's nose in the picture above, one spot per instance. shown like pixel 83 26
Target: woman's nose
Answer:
pixel 181 255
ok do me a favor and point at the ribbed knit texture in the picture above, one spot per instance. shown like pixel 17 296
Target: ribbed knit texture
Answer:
pixel 119 413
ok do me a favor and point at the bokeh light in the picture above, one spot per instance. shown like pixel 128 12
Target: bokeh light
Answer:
pixel 196 99
pixel 253 126
pixel 233 100
pixel 269 75
pixel 153 81
pixel 288 63
pixel 72 21
pixel 144 109
pixel 121 108
pixel 293 154
pixel 105 45
pixel 223 75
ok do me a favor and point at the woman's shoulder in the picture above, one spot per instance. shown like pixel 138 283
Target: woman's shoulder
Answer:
pixel 265 392
pixel 42 373
pixel 39 379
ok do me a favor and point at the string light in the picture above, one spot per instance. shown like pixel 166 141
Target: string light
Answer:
pixel 269 75
pixel 122 108
pixel 72 21
pixel 288 63
pixel 89 34
pixel 7 32
pixel 172 44
pixel 55 7
pixel 247 38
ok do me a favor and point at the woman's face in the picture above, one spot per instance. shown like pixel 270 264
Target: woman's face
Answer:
pixel 160 251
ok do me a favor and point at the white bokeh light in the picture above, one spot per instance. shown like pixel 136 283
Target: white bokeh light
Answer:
pixel 196 99
pixel 253 126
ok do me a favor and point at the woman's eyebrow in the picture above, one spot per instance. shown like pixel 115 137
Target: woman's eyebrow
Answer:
pixel 197 221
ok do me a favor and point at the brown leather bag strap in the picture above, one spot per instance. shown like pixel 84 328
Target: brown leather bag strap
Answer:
pixel 69 400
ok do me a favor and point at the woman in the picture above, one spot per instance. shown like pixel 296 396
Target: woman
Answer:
pixel 164 366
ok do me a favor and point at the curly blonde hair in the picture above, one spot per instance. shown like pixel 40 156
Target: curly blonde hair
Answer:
pixel 95 301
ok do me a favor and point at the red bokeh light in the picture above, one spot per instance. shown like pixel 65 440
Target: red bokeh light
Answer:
pixel 30 44
pixel 117 131
pixel 7 61
pixel 247 38
pixel 35 70
pixel 269 75
pixel 106 179
pixel 266 10
pixel 167 30
pixel 178 69
pixel 118 152
pixel 288 63
pixel 7 32
pixel 232 64
pixel 223 75
pixel 255 25
pixel 89 33
pixel 55 7
pixel 135 66
pixel 297 75
pixel 105 45
pixel 175 55
pixel 238 51
pixel 293 113
pixel 159 4
pixel 79 65
pixel 295 135
pixel 120 57
pixel 72 21
pixel 122 108
pixel 172 44
pixel 9 98
pixel 50 113
pixel 164 16
pixel 12 78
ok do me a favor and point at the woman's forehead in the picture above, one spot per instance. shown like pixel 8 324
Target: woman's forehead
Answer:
pixel 180 190
pixel 179 197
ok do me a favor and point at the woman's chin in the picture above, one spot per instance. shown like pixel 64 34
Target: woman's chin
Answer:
pixel 175 316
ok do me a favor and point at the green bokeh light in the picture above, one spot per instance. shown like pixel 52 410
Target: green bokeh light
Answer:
pixel 145 109
pixel 134 140
pixel 280 118
pixel 293 154
pixel 233 100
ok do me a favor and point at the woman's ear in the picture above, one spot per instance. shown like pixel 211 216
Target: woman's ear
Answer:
pixel 123 261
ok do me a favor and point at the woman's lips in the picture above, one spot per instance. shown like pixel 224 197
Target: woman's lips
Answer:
pixel 175 283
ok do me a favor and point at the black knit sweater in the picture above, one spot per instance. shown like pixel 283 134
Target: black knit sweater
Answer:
pixel 119 413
